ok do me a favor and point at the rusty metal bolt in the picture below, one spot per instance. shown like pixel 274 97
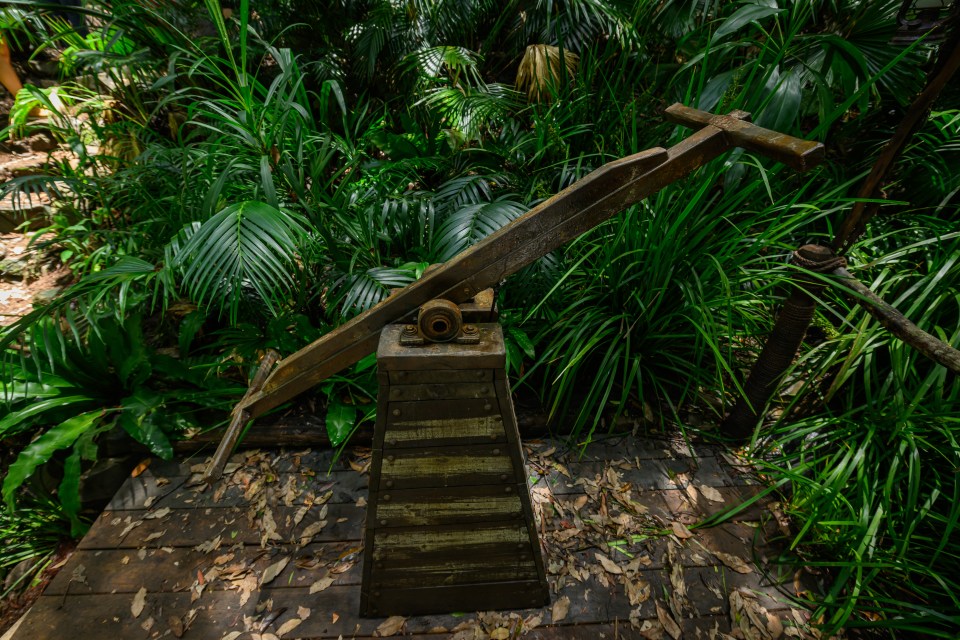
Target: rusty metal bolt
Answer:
pixel 396 412
pixel 386 497
pixel 389 484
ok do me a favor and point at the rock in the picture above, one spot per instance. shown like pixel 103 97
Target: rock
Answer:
pixel 13 268
pixel 46 296
pixel 41 142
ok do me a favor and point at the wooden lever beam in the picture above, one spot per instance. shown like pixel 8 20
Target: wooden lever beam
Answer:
pixel 577 209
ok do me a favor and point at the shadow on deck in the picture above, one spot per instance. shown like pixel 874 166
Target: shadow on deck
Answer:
pixel 273 551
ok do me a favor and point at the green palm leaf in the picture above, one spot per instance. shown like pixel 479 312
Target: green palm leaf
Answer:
pixel 248 250
pixel 473 223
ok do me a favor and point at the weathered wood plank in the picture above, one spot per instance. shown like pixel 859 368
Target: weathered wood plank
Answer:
pixel 189 527
pixel 445 467
pixel 175 568
pixel 524 594
pixel 102 616
pixel 443 376
pixel 436 391
pixel 462 505
pixel 176 492
pixel 443 432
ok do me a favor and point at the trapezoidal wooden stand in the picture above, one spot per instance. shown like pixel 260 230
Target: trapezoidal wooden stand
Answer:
pixel 449 521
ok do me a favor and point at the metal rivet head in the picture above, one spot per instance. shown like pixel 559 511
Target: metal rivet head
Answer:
pixel 483 391
pixel 503 477
pixel 493 436
pixel 396 412
pixel 508 490
pixel 389 484
pixel 386 498
pixel 487 407
pixel 376 594
pixel 397 392
pixel 391 458
pixel 383 523
pixel 496 452
pixel 479 373
pixel 392 442
pixel 520 546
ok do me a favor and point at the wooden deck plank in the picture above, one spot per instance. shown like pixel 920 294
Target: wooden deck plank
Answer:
pixel 190 527
pixel 150 539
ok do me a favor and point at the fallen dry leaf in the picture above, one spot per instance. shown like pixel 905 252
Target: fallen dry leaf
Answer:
pixel 233 635
pixel 288 626
pixel 737 564
pixel 140 468
pixel 311 530
pixel 680 530
pixel 159 513
pixel 608 564
pixel 139 601
pixel 560 609
pixel 390 627
pixel 209 545
pixel 710 493
pixel 668 623
pixel 320 585
pixel 500 633
pixel 176 626
pixel 273 571
pixel 303 613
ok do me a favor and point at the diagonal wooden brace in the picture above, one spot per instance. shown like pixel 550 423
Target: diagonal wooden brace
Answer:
pixel 577 209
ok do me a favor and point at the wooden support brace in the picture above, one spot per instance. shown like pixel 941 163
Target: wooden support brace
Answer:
pixel 239 418
pixel 899 325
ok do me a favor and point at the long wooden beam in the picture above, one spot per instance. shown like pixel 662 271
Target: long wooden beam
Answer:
pixel 594 199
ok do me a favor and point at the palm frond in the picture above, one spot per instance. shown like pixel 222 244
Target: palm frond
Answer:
pixel 247 250
pixel 359 291
pixel 473 223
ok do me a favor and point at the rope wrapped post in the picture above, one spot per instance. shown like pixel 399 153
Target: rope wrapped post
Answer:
pixel 781 347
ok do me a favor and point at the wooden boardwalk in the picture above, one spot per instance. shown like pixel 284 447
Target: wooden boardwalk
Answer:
pixel 273 551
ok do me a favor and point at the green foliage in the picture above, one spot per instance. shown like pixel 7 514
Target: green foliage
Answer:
pixel 100 375
pixel 871 478
pixel 251 183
